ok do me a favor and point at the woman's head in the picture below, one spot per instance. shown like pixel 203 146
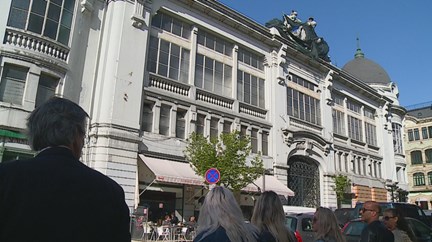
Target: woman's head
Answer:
pixel 268 209
pixel 269 215
pixel 220 209
pixel 393 218
pixel 324 223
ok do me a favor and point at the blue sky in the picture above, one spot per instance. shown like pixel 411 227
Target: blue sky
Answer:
pixel 397 34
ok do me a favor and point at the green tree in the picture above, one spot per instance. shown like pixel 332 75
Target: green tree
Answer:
pixel 228 154
pixel 341 184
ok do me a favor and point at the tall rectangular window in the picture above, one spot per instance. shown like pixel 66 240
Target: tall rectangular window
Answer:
pixel 303 106
pixel 181 123
pixel 410 135
pixel 46 88
pixel 168 60
pixel 371 138
pixel 416 134
pixel 213 76
pixel 12 84
pixel 227 126
pixel 147 120
pixel 250 89
pixel 200 124
pixel 243 130
pixel 254 140
pixel 49 18
pixel 214 128
pixel 338 122
pixel 264 142
pixel 355 128
pixel 164 121
pixel 397 138
pixel 425 133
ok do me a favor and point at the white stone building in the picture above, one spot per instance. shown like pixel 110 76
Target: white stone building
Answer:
pixel 151 72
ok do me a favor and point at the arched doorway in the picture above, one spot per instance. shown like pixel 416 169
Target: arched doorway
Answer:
pixel 303 179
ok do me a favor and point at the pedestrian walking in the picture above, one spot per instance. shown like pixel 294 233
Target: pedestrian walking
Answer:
pixel 375 231
pixel 221 219
pixel 268 216
pixel 397 223
pixel 54 196
pixel 325 225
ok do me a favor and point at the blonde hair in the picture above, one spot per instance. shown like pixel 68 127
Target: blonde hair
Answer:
pixel 269 215
pixel 220 209
pixel 326 225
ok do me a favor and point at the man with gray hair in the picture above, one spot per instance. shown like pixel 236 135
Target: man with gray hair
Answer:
pixel 53 196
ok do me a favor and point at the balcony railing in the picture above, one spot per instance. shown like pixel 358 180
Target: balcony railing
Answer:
pixel 214 99
pixel 17 38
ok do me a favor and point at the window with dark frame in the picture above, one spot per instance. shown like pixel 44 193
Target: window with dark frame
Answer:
pixel 12 84
pixel 164 121
pixel 49 18
pixel 181 123
pixel 147 120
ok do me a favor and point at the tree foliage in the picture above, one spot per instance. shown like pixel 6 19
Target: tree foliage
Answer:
pixel 229 154
pixel 342 182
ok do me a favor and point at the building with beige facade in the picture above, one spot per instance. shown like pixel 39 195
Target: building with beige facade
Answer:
pixel 418 148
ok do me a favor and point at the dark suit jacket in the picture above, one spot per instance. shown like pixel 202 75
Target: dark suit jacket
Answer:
pixel 376 232
pixel 55 197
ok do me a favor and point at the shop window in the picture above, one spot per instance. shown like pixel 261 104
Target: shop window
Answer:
pixel 49 18
pixel 12 84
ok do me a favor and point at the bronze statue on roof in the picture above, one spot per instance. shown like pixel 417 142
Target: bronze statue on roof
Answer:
pixel 303 34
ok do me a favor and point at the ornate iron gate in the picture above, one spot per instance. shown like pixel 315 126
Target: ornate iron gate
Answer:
pixel 303 179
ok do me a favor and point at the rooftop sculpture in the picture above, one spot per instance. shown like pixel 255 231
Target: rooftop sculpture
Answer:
pixel 302 34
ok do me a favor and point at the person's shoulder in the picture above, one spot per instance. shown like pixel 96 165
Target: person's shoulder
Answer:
pixel 266 236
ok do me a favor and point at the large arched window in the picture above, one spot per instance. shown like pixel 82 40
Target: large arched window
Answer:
pixel 419 179
pixel 416 157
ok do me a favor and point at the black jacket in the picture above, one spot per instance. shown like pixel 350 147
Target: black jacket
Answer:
pixel 54 197
pixel 376 232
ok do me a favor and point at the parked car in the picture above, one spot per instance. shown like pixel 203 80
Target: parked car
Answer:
pixel 344 215
pixel 407 209
pixel 353 229
pixel 301 224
